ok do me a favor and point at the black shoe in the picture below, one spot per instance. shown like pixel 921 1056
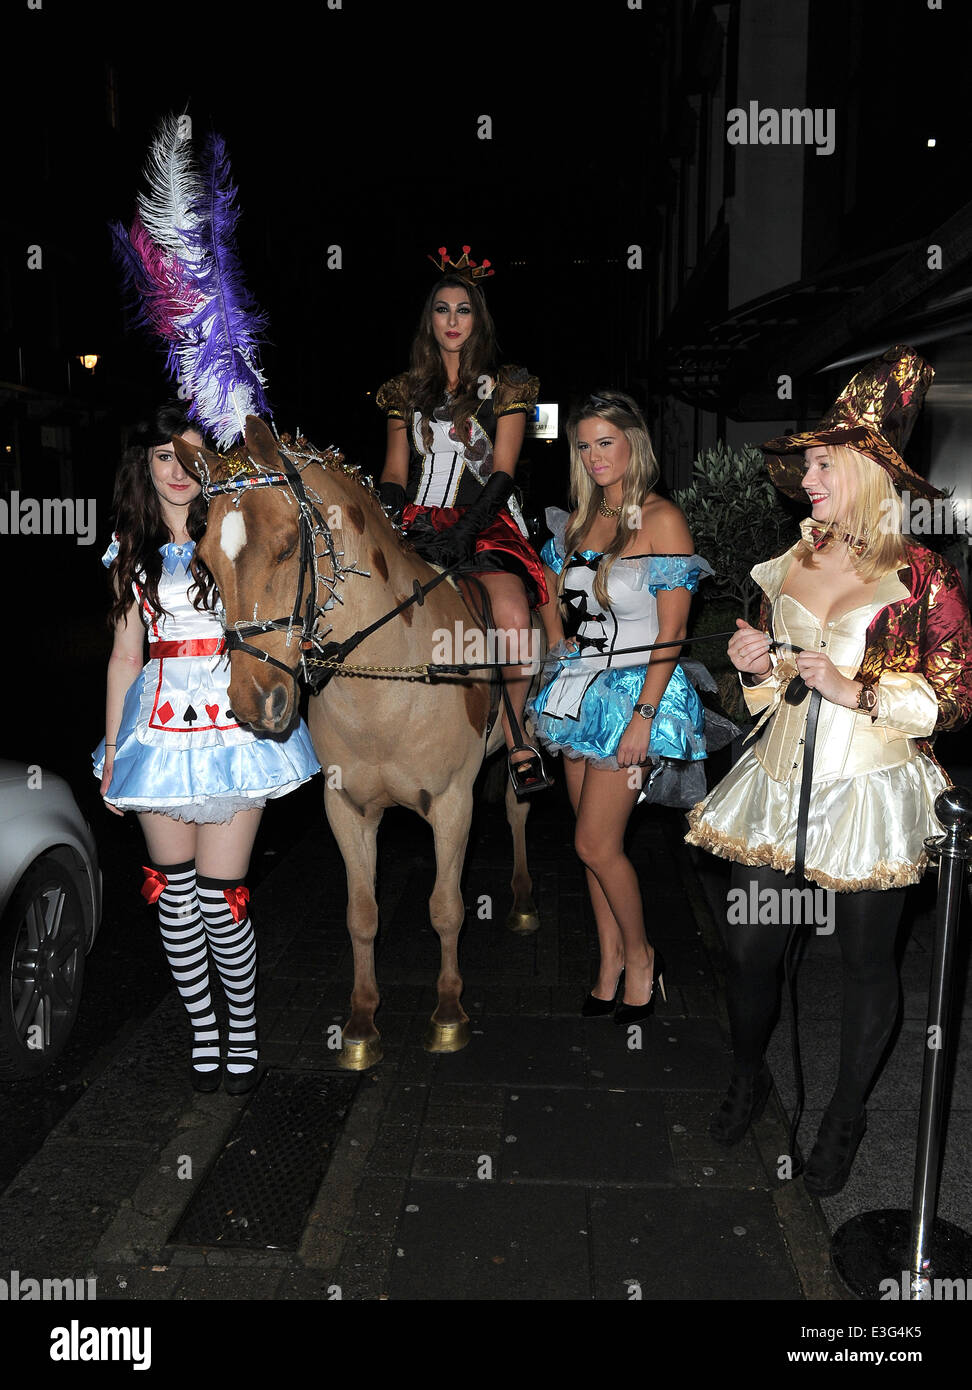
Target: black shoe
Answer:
pixel 594 1007
pixel 528 775
pixel 237 1083
pixel 631 1013
pixel 205 1080
pixel 832 1156
pixel 745 1101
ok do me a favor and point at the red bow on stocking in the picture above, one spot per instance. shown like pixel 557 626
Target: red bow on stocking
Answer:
pixel 237 898
pixel 154 885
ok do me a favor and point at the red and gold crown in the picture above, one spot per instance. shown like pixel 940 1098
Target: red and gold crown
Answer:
pixel 464 268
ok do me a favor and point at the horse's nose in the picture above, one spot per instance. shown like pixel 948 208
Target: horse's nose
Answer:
pixel 276 705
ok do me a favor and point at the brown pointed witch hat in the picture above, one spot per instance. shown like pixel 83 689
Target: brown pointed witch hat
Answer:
pixel 874 414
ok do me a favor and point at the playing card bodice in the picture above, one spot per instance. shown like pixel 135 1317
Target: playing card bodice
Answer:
pixel 185 696
pixel 179 748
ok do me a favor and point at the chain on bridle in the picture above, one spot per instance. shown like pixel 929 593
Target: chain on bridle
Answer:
pixel 311 527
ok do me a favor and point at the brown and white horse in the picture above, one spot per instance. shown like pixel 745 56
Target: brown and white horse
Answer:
pixel 380 741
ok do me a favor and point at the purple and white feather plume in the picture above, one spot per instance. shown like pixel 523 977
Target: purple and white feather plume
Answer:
pixel 180 262
pixel 218 359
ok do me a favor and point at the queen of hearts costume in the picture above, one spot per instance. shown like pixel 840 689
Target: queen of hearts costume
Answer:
pixel 179 749
pixel 447 474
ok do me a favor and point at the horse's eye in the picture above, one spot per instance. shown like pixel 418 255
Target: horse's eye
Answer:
pixel 287 551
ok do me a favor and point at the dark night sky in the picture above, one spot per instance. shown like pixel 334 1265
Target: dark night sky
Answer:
pixel 356 127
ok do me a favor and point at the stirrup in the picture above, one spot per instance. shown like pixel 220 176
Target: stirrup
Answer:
pixel 529 774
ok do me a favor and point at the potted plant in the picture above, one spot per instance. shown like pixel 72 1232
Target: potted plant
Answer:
pixel 737 518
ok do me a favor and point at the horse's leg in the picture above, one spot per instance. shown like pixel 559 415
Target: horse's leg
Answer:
pixel 522 916
pixel 450 816
pixel 356 833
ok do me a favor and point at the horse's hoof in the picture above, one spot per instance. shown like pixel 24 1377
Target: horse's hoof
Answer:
pixel 358 1054
pixel 446 1037
pixel 523 921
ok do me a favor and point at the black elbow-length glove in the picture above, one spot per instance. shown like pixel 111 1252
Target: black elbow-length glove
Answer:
pixel 455 545
pixel 392 498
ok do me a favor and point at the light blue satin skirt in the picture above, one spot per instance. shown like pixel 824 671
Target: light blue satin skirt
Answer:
pixel 207 784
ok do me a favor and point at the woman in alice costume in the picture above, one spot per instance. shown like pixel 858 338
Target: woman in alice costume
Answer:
pixel 622 573
pixel 879 628
pixel 456 425
pixel 174 753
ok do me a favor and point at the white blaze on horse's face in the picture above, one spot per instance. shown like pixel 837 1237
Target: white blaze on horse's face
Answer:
pixel 232 534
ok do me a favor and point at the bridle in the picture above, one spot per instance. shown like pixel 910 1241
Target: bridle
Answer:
pixel 311 527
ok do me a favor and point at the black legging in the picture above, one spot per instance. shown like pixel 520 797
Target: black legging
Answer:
pixel 867 927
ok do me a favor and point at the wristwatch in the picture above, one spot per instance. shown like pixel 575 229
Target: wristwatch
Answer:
pixel 646 711
pixel 867 699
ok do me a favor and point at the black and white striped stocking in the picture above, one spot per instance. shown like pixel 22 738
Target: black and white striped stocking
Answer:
pixel 232 941
pixel 184 943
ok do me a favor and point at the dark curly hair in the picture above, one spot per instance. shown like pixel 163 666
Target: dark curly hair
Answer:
pixel 427 375
pixel 139 523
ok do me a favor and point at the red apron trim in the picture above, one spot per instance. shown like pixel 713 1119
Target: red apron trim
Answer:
pixel 193 646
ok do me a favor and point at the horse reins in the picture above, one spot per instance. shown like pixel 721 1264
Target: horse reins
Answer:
pixel 310 525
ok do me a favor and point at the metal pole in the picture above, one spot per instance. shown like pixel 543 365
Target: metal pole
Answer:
pixel 954 811
pixel 876 1246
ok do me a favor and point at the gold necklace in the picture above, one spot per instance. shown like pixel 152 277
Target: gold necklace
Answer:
pixel 605 510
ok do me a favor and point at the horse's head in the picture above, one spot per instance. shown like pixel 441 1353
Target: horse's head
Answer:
pixel 252 549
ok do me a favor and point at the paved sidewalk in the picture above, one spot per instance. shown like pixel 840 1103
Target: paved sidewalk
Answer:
pixel 554 1158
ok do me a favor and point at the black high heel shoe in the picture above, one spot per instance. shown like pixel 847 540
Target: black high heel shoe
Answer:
pixel 832 1156
pixel 631 1013
pixel 205 1081
pixel 594 1007
pixel 528 775
pixel 745 1101
pixel 237 1083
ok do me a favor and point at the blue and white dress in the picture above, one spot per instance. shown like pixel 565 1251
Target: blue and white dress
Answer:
pixel 179 749
pixel 588 696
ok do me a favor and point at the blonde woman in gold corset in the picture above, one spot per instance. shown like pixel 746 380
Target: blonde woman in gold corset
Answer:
pixel 879 628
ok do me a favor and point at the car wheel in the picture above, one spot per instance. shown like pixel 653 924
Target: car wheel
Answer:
pixel 42 943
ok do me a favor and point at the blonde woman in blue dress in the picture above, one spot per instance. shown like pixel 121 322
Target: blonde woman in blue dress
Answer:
pixel 174 753
pixel 621 571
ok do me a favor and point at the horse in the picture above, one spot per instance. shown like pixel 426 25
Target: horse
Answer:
pixel 287 513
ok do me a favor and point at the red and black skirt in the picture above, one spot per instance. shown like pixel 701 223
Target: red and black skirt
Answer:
pixel 500 547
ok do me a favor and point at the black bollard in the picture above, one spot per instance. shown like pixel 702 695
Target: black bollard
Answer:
pixel 871 1250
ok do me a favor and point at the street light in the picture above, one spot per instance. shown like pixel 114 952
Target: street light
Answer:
pixel 89 360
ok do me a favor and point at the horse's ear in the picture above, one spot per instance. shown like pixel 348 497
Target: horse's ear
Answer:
pixel 188 455
pixel 260 443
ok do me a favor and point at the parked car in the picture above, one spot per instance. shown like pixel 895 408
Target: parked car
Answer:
pixel 50 910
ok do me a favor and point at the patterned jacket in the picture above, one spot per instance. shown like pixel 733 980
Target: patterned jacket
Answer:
pixel 917 645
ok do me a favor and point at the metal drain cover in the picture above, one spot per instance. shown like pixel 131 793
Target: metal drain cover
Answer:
pixel 259 1190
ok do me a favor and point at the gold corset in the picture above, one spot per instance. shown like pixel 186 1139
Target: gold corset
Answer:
pixel 848 742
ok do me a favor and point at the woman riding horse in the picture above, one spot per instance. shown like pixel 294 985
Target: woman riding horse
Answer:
pixel 455 429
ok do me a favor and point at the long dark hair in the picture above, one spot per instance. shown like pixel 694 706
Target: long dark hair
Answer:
pixel 139 523
pixel 427 375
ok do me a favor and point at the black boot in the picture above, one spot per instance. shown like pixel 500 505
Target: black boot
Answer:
pixel 745 1101
pixel 832 1156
